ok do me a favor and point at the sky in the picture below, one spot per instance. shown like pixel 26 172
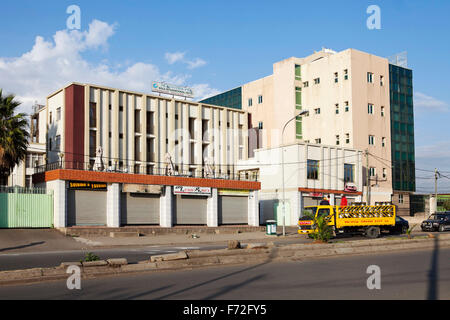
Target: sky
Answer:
pixel 216 45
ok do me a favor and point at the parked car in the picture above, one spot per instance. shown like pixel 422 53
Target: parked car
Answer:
pixel 401 226
pixel 439 221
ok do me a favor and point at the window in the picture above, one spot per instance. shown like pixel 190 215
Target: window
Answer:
pixel 371 140
pixel 400 198
pixel 318 141
pixel 337 108
pixel 382 111
pixel 298 72
pixel 336 77
pixel 260 99
pixel 372 172
pixel 58 143
pixel 50 117
pixel 317 81
pixel 313 169
pixel 50 144
pixel 260 125
pixel 369 77
pixel 370 108
pixel 298 98
pixel 347 107
pixel 383 142
pixel 346 74
pixel 58 114
pixel 347 138
pixel 305 84
pixel 384 173
pixel 93 115
pixel 349 170
pixel 250 102
pixel 337 140
pixel 381 80
pixel 317 111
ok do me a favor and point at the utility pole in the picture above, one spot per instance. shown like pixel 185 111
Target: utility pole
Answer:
pixel 367 177
pixel 436 176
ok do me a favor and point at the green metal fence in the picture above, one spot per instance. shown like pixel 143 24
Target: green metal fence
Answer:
pixel 25 208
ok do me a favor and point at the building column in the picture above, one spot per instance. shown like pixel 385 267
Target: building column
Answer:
pixel 213 209
pixel 253 209
pixel 166 208
pixel 59 202
pixel 113 206
pixel 301 204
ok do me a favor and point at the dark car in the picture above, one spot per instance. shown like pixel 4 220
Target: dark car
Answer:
pixel 401 226
pixel 439 221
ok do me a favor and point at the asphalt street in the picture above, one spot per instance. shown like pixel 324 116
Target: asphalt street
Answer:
pixel 421 274
pixel 53 258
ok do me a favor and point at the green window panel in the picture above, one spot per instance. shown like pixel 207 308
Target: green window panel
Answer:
pixel 298 127
pixel 298 72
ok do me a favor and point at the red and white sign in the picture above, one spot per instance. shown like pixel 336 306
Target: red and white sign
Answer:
pixel 193 191
pixel 315 194
pixel 350 188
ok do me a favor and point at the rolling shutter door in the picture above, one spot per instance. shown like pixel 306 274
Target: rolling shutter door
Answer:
pixel 137 208
pixel 233 210
pixel 86 208
pixel 190 210
pixel 308 201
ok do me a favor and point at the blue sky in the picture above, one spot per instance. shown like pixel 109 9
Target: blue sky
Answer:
pixel 223 44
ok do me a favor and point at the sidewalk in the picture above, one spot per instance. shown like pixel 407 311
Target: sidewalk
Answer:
pixel 187 239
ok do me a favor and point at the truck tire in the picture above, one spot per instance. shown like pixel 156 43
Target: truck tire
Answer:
pixel 372 232
pixel 441 228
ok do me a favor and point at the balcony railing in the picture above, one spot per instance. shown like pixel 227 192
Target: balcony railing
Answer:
pixel 143 170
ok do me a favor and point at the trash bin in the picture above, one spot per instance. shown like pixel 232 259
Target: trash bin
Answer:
pixel 271 228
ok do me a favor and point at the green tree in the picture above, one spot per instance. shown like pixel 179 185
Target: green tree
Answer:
pixel 13 135
pixel 322 230
pixel 446 204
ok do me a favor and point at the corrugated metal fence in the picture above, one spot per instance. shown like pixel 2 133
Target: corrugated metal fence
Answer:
pixel 25 208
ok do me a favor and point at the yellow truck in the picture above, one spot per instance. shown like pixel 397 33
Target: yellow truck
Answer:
pixel 367 220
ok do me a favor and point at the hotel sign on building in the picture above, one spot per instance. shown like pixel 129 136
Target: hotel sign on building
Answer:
pixel 192 191
pixel 162 87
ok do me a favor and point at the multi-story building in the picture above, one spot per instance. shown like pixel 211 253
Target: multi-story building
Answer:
pixel 117 157
pixel 22 173
pixel 351 104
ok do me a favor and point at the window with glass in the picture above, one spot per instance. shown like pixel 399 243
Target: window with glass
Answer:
pixel 347 106
pixel 337 108
pixel 250 102
pixel 369 77
pixel 370 108
pixel 298 72
pixel 317 81
pixel 346 74
pixel 317 111
pixel 58 114
pixel 93 115
pixel 349 172
pixel 371 140
pixel 260 99
pixel 337 140
pixel 382 111
pixel 313 169
pixel 347 138
pixel 372 172
pixel 336 77
pixel 305 84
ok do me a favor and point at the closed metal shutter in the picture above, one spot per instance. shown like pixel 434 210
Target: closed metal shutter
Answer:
pixel 233 210
pixel 190 210
pixel 138 208
pixel 308 201
pixel 86 208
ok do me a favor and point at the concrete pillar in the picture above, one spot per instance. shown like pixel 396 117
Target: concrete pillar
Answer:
pixel 332 199
pixel 301 204
pixel 59 202
pixel 166 208
pixel 253 209
pixel 213 209
pixel 113 206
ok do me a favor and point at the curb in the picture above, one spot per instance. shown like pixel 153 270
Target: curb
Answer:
pixel 185 260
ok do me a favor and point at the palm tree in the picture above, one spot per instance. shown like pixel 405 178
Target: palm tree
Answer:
pixel 13 136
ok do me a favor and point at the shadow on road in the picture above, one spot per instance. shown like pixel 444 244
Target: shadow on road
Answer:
pixel 433 275
pixel 23 246
pixel 228 288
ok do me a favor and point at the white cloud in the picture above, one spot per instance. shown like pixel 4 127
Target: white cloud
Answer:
pixel 181 57
pixel 175 57
pixel 426 102
pixel 54 63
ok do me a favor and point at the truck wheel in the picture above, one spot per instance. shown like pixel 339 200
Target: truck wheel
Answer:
pixel 441 228
pixel 372 232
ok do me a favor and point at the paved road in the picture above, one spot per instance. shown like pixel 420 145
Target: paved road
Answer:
pixel 408 275
pixel 26 260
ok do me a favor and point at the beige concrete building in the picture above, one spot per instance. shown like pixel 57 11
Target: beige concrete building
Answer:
pixel 137 131
pixel 348 99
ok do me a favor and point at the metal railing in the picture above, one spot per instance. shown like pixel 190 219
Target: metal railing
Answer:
pixel 144 170
pixel 22 190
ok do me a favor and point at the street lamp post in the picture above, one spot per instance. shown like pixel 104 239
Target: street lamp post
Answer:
pixel 304 112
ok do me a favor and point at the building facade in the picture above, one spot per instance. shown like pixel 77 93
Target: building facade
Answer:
pixel 351 104
pixel 120 158
pixel 311 172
